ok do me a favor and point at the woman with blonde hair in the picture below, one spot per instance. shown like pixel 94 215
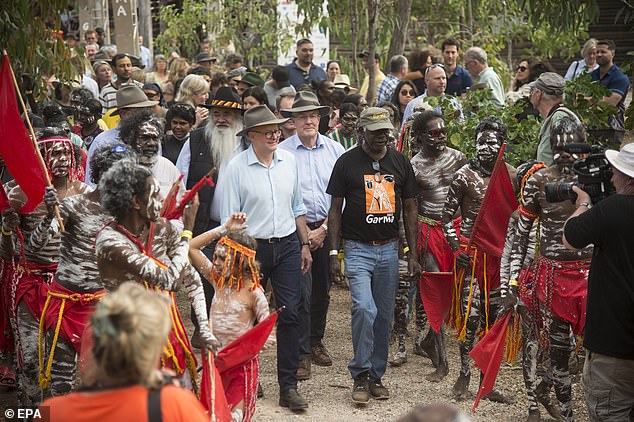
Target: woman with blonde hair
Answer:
pixel 159 73
pixel 588 62
pixel 129 330
pixel 177 70
pixel 195 91
pixel 102 73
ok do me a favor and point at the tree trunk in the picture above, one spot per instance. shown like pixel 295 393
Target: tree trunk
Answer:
pixel 145 23
pixel 355 43
pixel 397 43
pixel 372 11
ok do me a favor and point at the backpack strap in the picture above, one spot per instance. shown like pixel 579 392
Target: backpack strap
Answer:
pixel 154 405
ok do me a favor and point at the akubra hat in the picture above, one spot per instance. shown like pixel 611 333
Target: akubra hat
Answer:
pixel 259 116
pixel 622 160
pixel 131 96
pixel 226 97
pixel 305 101
pixel 252 79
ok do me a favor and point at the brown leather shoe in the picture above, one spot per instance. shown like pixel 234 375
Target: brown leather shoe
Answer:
pixel 320 355
pixel 303 371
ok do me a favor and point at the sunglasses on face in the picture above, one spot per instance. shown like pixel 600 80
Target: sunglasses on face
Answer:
pixel 377 170
pixel 407 92
pixel 521 68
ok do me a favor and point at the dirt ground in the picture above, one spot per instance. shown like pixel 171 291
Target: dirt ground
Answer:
pixel 328 391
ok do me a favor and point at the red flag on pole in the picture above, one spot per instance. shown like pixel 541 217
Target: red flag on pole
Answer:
pixel 487 356
pixel 169 203
pixel 212 394
pixel 436 292
pixel 489 229
pixel 16 147
pixel 245 347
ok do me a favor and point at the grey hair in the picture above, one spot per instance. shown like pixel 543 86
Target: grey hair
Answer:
pixel 477 54
pixel 106 156
pixel 122 182
pixel 397 63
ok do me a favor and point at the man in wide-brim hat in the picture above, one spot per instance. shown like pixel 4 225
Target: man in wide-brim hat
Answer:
pixel 316 155
pixel 264 183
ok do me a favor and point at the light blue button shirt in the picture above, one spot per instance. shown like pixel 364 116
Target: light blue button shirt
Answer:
pixel 270 196
pixel 316 165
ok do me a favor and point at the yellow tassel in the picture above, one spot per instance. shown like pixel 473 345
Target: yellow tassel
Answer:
pixel 45 376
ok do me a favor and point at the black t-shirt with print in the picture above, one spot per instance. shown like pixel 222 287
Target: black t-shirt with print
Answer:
pixel 372 201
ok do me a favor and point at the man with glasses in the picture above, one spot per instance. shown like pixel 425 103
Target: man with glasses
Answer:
pixel 476 62
pixel 302 70
pixel 264 182
pixel 458 79
pixel 378 185
pixel 434 166
pixel 316 155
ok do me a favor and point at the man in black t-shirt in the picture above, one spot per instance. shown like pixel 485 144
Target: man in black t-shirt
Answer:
pixel 608 372
pixel 376 182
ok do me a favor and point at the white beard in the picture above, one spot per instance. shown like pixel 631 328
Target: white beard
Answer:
pixel 223 142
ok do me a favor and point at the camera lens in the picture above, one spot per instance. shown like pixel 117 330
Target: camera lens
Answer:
pixel 560 191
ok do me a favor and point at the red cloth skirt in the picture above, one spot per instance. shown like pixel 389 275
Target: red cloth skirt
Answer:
pixel 31 285
pixel 487 266
pixel 77 310
pixel 7 344
pixel 242 383
pixel 432 240
pixel 560 286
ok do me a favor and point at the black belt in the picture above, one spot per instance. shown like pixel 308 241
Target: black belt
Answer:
pixel 377 242
pixel 315 225
pixel 276 239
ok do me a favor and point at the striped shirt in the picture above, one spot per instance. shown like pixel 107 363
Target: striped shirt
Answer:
pixel 108 96
pixel 346 141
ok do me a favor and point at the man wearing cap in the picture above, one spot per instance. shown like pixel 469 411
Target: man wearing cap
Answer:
pixel 316 155
pixel 398 70
pixel 132 100
pixel 302 70
pixel 377 184
pixel 279 80
pixel 122 66
pixel 378 75
pixel 264 182
pixel 476 62
pixel 205 60
pixel 608 372
pixel 547 96
pixel 248 80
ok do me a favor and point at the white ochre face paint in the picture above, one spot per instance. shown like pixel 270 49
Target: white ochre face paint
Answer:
pixel 154 204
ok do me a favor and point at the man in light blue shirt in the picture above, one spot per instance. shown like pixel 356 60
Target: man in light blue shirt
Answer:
pixel 316 156
pixel 264 183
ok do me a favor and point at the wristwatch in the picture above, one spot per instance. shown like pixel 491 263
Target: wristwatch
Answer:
pixel 306 243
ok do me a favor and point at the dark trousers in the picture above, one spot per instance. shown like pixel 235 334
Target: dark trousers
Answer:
pixel 320 295
pixel 280 259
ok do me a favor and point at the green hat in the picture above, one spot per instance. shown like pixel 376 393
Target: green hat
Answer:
pixel 252 79
pixel 375 118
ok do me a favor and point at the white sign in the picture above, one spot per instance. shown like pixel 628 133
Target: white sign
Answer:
pixel 288 18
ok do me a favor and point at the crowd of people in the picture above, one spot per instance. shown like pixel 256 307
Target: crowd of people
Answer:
pixel 286 185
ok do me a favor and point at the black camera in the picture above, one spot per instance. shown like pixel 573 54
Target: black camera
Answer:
pixel 594 174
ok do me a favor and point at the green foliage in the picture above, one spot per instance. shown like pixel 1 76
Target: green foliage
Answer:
pixel 181 28
pixel 477 105
pixel 26 31
pixel 584 98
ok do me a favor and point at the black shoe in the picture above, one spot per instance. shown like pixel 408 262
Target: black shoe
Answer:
pixel 292 400
pixel 378 390
pixel 361 390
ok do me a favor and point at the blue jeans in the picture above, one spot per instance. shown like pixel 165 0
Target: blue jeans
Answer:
pixel 281 261
pixel 372 272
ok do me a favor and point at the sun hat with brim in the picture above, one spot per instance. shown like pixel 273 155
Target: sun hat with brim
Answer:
pixel 622 160
pixel 550 83
pixel 259 116
pixel 226 97
pixel 342 81
pixel 252 79
pixel 375 118
pixel 366 53
pixel 305 101
pixel 131 96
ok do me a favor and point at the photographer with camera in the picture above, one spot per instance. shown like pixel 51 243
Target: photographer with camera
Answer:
pixel 554 292
pixel 608 373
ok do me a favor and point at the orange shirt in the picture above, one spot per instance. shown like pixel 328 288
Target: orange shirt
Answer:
pixel 125 404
